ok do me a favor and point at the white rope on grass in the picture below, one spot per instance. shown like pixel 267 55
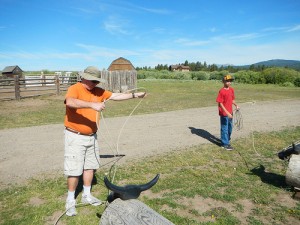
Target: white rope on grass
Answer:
pixel 79 204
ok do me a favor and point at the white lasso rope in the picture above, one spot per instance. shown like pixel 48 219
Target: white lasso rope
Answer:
pixel 117 152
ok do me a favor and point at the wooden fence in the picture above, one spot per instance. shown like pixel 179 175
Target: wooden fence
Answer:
pixel 37 85
pixel 119 81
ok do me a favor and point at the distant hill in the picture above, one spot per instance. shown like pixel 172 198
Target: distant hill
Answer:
pixel 293 64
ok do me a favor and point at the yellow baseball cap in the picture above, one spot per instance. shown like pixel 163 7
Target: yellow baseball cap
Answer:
pixel 228 77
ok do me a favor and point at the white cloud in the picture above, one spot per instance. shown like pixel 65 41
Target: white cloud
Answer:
pixel 156 11
pixel 86 11
pixel 295 28
pixel 274 29
pixel 245 36
pixel 213 29
pixel 188 42
pixel 115 25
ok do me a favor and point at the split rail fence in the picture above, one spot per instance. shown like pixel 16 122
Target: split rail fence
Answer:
pixel 18 88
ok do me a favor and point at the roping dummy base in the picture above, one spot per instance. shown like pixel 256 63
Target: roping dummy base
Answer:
pixel 131 212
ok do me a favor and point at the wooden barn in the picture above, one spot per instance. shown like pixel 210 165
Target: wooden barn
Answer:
pixel 10 71
pixel 121 64
pixel 121 76
pixel 179 68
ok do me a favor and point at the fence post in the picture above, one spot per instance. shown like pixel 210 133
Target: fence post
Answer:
pixel 43 80
pixel 17 87
pixel 57 85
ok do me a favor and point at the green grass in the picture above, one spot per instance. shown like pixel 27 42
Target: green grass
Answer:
pixel 237 187
pixel 163 95
pixel 199 185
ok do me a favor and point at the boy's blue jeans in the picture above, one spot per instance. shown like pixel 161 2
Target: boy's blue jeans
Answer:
pixel 226 129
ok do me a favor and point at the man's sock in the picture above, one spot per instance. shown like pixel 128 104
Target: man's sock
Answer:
pixel 71 195
pixel 86 190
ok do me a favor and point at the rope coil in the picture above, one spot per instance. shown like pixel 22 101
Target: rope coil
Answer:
pixel 238 119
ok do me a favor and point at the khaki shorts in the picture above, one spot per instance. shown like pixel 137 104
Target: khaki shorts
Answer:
pixel 81 153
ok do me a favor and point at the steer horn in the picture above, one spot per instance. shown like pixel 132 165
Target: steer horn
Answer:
pixel 131 191
pixel 287 152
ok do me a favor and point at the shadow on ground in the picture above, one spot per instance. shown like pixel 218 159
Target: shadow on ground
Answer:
pixel 206 135
pixel 269 178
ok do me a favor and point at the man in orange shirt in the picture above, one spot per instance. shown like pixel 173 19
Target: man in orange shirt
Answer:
pixel 83 101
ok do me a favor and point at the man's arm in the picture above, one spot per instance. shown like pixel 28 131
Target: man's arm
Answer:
pixel 79 104
pixel 125 96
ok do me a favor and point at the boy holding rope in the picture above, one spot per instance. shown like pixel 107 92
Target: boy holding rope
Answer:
pixel 83 101
pixel 225 99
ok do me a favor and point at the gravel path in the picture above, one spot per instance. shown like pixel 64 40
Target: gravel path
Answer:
pixel 32 151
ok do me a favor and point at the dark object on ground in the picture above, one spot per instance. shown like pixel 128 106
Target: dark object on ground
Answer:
pixel 287 152
pixel 131 191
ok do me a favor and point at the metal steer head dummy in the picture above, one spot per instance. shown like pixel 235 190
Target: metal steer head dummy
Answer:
pixel 131 191
pixel 287 152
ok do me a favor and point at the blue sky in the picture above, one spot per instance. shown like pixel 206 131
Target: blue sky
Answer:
pixel 74 34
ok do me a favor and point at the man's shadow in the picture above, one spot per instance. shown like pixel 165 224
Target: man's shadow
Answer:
pixel 111 156
pixel 205 134
pixel 269 178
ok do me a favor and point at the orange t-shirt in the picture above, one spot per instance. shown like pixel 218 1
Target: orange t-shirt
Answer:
pixel 84 120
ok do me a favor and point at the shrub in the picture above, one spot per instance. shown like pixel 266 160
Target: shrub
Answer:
pixel 200 75
pixel 249 77
pixel 182 75
pixel 218 75
pixel 297 82
pixel 280 75
pixel 287 84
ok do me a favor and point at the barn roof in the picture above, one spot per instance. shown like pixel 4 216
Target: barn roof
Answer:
pixel 121 64
pixel 10 69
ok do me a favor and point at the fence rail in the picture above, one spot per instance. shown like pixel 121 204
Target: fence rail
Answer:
pixel 30 86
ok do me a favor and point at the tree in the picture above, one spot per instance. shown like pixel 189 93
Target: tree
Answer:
pixel 198 66
pixel 204 66
pixel 213 67
pixel 192 66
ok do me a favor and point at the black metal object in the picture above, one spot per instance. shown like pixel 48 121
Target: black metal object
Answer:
pixel 287 152
pixel 131 191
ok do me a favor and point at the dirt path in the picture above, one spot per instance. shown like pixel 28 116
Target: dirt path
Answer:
pixel 29 152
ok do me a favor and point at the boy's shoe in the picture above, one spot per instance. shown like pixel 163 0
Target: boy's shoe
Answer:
pixel 90 199
pixel 228 147
pixel 70 207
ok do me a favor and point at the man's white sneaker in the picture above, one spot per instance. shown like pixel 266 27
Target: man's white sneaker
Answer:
pixel 70 207
pixel 90 199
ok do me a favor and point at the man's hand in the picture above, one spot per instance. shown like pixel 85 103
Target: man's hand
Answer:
pixel 98 106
